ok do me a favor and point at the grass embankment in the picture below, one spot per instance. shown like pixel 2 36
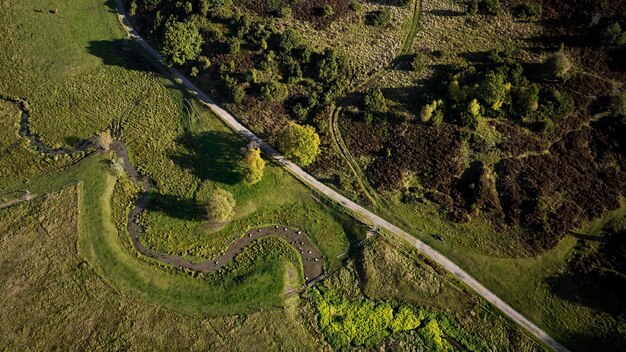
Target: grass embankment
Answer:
pixel 50 296
pixel 90 78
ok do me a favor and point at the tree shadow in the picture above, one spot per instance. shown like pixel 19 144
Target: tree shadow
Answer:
pixel 120 52
pixel 212 156
pixel 176 207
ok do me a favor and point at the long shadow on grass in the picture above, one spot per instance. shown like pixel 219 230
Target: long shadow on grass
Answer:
pixel 119 52
pixel 176 207
pixel 214 156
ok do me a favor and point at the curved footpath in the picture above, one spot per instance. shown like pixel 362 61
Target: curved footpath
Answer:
pixel 358 210
pixel 312 262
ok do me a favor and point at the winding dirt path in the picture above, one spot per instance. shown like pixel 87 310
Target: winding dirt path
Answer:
pixel 358 211
pixel 312 260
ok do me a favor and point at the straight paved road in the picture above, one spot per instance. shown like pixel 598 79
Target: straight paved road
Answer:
pixel 359 211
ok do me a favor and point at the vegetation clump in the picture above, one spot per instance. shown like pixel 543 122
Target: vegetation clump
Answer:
pixel 220 207
pixel 182 42
pixel 299 143
pixel 254 164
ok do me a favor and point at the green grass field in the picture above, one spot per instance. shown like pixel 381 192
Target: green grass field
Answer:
pixel 80 76
pixel 53 298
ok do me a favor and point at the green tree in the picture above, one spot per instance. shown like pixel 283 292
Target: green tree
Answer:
pixel 558 64
pixel 492 90
pixel 375 105
pixel 254 164
pixel 220 207
pixel 427 111
pixel 299 143
pixel 273 91
pixel 182 42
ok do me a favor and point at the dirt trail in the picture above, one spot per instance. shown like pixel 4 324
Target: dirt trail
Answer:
pixel 357 210
pixel 311 258
pixel 313 263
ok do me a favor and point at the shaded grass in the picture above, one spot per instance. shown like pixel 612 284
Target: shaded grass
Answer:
pixel 50 297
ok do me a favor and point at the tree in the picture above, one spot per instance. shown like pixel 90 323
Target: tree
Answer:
pixel 299 143
pixel 220 207
pixel 427 111
pixel 492 90
pixel 375 105
pixel 619 104
pixel 182 42
pixel 558 64
pixel 254 164
pixel 104 140
pixel 273 91
pixel 473 108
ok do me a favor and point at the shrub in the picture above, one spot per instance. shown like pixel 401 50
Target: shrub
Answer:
pixel 299 143
pixel 427 111
pixel 472 8
pixel 558 65
pixel 182 42
pixel 611 33
pixel 528 11
pixel 104 140
pixel 285 12
pixel 378 18
pixel 419 62
pixel 220 207
pixel 618 104
pixel 492 90
pixel 204 62
pixel 327 10
pixel 492 7
pixel 375 105
pixel 234 46
pixel 273 91
pixel 355 5
pixel 254 164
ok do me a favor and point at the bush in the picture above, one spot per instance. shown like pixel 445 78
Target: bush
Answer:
pixel 103 140
pixel 378 18
pixel 492 90
pixel 273 91
pixel 492 7
pixel 299 143
pixel 220 207
pixel 427 111
pixel 472 8
pixel 327 10
pixel 355 6
pixel 204 62
pixel 182 42
pixel 419 62
pixel 618 104
pixel 254 164
pixel 528 11
pixel 234 46
pixel 613 35
pixel 375 106
pixel 558 65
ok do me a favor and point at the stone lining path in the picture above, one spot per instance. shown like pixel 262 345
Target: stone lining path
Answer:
pixel 313 264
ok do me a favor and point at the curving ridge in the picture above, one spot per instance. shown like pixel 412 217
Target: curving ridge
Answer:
pixel 357 209
pixel 312 260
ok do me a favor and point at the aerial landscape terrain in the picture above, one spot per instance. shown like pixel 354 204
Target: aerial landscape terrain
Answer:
pixel 323 175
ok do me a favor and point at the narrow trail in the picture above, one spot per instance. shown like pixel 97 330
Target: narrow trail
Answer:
pixel 25 198
pixel 312 260
pixel 357 210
